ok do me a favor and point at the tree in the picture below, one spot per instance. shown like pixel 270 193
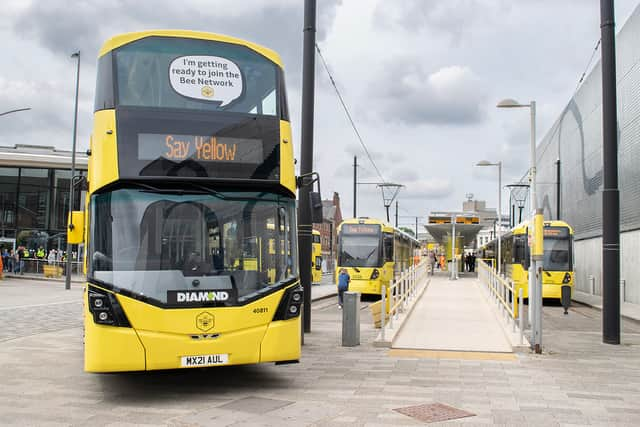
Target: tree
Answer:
pixel 409 231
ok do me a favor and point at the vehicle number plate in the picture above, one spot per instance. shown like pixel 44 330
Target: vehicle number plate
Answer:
pixel 204 360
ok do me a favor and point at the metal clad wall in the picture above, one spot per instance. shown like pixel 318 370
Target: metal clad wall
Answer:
pixel 576 139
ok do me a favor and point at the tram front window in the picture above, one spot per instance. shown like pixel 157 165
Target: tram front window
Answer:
pixel 358 250
pixel 557 255
pixel 153 243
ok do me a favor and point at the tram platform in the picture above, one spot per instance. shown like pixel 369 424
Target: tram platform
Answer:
pixel 455 316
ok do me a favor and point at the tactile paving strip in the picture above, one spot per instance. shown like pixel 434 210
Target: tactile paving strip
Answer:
pixel 433 412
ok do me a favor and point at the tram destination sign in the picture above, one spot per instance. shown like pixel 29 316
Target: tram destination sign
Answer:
pixel 152 146
pixel 360 228
pixel 556 232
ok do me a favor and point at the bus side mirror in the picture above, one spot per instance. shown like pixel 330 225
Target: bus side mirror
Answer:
pixel 75 230
pixel 316 207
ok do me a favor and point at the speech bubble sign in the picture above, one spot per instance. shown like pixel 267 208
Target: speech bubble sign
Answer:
pixel 209 78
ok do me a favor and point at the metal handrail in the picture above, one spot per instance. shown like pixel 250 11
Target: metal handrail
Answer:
pixel 400 291
pixel 500 288
pixel 33 265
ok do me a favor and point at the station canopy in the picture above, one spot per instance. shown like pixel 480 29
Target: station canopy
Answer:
pixel 440 226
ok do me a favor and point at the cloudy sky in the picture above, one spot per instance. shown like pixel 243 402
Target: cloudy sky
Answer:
pixel 421 79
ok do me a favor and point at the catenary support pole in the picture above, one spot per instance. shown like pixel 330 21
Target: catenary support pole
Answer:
pixel 306 153
pixel 396 214
pixel 610 194
pixel 558 189
pixel 355 185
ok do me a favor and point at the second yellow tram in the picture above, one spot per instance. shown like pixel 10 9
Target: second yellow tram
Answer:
pixel 557 263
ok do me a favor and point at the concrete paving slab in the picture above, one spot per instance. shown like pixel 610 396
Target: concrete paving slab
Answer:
pixel 576 381
pixel 453 315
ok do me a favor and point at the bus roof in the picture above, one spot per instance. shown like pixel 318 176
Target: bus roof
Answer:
pixel 122 39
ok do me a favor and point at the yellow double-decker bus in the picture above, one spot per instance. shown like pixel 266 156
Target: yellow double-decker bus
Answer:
pixel 557 263
pixel 372 252
pixel 316 257
pixel 190 182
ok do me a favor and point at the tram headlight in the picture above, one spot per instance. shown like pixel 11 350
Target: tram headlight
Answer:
pixel 375 274
pixel 293 309
pixel 567 278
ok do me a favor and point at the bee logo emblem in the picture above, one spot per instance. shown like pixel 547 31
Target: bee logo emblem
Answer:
pixel 207 91
pixel 204 321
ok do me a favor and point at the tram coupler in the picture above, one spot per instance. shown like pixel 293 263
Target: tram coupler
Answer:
pixel 566 298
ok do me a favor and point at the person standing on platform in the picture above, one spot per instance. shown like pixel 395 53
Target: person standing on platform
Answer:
pixel 343 285
pixel 5 259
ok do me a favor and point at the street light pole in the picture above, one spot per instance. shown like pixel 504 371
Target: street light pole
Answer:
pixel 67 283
pixel 499 229
pixel 535 228
pixel 498 233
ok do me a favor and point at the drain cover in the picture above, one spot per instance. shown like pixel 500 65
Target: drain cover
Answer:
pixel 432 412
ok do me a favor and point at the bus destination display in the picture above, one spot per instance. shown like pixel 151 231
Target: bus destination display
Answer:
pixel 200 148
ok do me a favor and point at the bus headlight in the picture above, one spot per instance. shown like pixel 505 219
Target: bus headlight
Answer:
pixel 375 274
pixel 289 304
pixel 106 309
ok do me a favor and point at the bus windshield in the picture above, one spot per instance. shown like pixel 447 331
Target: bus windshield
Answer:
pixel 155 244
pixel 185 73
pixel 359 250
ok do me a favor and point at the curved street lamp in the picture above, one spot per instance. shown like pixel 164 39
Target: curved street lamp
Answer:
pixel 14 111
pixel 67 283
pixel 535 265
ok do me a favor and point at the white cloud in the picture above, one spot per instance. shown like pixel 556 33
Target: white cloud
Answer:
pixel 413 96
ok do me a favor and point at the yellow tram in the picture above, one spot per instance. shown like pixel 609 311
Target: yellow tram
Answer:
pixel 372 252
pixel 557 263
pixel 316 257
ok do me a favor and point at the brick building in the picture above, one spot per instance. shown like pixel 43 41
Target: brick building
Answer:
pixel 331 218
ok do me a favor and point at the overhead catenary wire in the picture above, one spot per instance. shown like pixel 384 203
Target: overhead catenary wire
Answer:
pixel 346 110
pixel 584 73
pixel 556 127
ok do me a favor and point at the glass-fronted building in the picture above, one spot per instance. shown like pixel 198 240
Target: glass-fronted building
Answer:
pixel 34 197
